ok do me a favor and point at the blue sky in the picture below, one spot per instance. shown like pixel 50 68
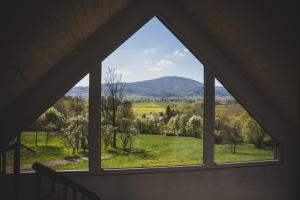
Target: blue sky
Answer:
pixel 152 52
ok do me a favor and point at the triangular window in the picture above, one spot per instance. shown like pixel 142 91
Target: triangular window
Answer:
pixel 59 137
pixel 238 136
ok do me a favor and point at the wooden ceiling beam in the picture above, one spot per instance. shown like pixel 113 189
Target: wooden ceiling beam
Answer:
pixel 190 33
pixel 64 75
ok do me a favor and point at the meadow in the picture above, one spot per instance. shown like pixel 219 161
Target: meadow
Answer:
pixel 147 150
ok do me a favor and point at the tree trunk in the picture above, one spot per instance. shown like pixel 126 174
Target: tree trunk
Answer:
pixel 47 137
pixel 234 148
pixel 36 138
pixel 114 140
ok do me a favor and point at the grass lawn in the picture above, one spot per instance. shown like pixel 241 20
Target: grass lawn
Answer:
pixel 30 153
pixel 148 150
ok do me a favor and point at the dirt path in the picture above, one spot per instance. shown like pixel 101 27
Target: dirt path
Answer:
pixel 52 163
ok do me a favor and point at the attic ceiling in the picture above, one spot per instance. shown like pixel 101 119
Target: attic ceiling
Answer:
pixel 260 39
pixel 35 35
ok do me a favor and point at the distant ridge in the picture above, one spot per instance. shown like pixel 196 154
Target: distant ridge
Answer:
pixel 160 88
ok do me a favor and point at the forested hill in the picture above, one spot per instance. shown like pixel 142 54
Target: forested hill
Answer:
pixel 164 87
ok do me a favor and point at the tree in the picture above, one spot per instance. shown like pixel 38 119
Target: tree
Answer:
pixel 221 125
pixel 39 126
pixel 54 122
pixel 141 125
pixel 127 132
pixel 62 106
pixel 195 127
pixel 114 93
pixel 233 133
pixel 106 134
pixel 228 130
pixel 77 106
pixel 168 113
pixel 183 120
pixel 254 133
pixel 146 126
pixel 173 126
pixel 152 126
pixel 125 110
pixel 83 128
pixel 75 132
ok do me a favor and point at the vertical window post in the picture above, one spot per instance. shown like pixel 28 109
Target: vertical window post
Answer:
pixel 94 119
pixel 209 118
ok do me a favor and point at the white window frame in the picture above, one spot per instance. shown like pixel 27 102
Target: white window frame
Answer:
pixel 208 139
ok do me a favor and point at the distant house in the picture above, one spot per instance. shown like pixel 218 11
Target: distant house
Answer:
pixel 161 119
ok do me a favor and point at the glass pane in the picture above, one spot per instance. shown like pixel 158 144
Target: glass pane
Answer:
pixel 58 138
pixel 238 136
pixel 152 102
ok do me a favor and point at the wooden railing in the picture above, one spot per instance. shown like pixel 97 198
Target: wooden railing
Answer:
pixel 13 147
pixel 69 190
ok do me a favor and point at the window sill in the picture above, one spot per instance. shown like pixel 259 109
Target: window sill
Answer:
pixel 151 170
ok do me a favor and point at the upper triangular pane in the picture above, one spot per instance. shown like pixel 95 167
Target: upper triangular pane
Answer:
pixel 159 113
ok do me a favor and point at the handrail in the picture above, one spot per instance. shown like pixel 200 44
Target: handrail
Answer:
pixel 65 181
pixel 15 148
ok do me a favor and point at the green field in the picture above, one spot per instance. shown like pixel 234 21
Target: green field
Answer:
pixel 147 107
pixel 148 150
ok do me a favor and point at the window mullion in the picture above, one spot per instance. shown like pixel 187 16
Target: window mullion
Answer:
pixel 94 119
pixel 209 118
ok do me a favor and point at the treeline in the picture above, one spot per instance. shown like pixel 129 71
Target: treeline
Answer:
pixel 68 119
pixel 240 128
pixel 229 129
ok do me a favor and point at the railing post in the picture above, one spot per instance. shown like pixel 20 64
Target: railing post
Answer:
pixel 17 157
pixel 3 162
pixel 39 186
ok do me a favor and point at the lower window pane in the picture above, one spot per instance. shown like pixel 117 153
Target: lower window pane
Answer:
pixel 156 134
pixel 238 136
pixel 59 137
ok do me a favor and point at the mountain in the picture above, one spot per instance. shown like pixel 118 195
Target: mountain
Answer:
pixel 164 87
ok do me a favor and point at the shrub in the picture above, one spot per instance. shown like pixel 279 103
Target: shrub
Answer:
pixel 183 120
pixel 195 127
pixel 173 126
pixel 146 126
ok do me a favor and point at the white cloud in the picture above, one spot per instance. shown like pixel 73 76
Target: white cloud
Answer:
pixel 185 50
pixel 178 54
pixel 147 62
pixel 156 69
pixel 164 63
pixel 122 71
pixel 150 51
